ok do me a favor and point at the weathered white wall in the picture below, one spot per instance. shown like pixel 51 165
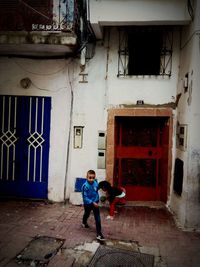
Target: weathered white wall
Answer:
pixel 89 111
pixel 151 89
pixel 137 12
pixel 186 207
pixel 104 90
pixel 49 78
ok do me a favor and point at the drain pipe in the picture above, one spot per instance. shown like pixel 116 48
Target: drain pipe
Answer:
pixel 69 137
pixel 82 63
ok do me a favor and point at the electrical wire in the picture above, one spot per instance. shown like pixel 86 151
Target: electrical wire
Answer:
pixel 48 90
pixel 60 88
pixel 190 9
pixel 33 9
pixel 189 39
pixel 42 74
pixel 70 131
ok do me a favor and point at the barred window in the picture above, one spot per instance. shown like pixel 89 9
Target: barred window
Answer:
pixel 145 51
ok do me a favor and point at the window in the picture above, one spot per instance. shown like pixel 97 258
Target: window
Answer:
pixel 145 51
pixel 178 176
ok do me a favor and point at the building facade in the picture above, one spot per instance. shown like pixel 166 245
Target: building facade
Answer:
pixel 106 85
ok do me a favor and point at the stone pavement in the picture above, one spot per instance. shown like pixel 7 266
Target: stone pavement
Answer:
pixel 146 229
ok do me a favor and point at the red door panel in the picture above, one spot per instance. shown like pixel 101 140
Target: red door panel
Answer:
pixel 138 156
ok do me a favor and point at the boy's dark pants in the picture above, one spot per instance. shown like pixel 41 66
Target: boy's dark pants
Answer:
pixel 88 208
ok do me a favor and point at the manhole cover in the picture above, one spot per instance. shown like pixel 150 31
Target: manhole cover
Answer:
pixel 41 249
pixel 114 257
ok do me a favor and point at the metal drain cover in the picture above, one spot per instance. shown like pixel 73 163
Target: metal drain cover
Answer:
pixel 41 249
pixel 114 257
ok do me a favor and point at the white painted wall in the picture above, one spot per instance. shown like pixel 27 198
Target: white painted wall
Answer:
pixel 153 90
pixel 89 111
pixel 49 78
pixel 186 207
pixel 137 12
pixel 104 90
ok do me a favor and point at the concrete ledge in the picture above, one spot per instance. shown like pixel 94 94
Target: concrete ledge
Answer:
pixel 37 43
pixel 75 198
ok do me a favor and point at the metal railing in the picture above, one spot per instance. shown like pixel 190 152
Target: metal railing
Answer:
pixel 38 15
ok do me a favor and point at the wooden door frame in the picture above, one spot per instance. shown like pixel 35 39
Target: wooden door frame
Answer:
pixel 135 112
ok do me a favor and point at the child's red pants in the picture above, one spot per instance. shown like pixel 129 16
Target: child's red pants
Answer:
pixel 116 200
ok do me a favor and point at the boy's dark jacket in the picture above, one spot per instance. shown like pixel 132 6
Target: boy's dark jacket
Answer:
pixel 113 192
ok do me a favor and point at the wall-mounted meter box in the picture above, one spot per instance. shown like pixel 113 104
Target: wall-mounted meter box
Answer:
pixel 78 136
pixel 182 136
pixel 101 140
pixel 101 159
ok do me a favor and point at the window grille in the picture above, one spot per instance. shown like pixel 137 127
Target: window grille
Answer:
pixel 145 51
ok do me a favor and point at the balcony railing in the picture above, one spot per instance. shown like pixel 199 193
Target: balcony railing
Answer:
pixel 17 15
pixel 54 25
pixel 38 15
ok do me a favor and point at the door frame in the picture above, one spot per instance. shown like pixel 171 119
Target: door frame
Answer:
pixel 135 112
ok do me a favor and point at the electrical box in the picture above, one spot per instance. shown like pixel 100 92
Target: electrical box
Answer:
pixel 101 140
pixel 182 136
pixel 78 136
pixel 101 159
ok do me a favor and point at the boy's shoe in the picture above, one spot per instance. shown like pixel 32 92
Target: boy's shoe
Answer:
pixel 109 217
pixel 85 225
pixel 100 237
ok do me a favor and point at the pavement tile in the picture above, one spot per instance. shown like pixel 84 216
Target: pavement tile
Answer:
pixel 151 228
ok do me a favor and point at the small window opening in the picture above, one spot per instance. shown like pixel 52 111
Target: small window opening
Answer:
pixel 178 176
pixel 145 51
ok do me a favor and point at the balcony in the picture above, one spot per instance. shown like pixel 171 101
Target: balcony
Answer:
pixel 39 28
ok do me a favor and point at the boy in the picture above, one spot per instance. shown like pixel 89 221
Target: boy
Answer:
pixel 90 200
pixel 115 195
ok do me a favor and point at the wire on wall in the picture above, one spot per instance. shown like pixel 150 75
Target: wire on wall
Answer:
pixel 42 74
pixel 190 9
pixel 34 10
pixel 70 129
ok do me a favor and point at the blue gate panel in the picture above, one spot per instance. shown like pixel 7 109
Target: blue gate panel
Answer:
pixel 24 145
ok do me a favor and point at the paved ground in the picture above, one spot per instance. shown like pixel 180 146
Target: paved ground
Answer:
pixel 144 229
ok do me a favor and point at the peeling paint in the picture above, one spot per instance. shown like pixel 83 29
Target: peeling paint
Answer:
pixel 164 105
pixel 178 98
pixel 195 154
pixel 195 173
pixel 189 100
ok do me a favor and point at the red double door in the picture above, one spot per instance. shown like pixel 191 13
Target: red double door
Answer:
pixel 141 157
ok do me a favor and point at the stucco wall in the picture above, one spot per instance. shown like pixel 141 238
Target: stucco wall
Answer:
pixel 186 206
pixel 142 12
pixel 104 90
pixel 90 113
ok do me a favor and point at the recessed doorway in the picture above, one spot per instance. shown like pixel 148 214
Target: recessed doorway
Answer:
pixel 141 156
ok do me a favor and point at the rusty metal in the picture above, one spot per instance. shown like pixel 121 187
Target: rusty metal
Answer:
pixel 40 250
pixel 28 15
pixel 115 257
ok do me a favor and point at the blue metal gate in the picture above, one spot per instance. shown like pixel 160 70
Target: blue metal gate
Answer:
pixel 24 146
